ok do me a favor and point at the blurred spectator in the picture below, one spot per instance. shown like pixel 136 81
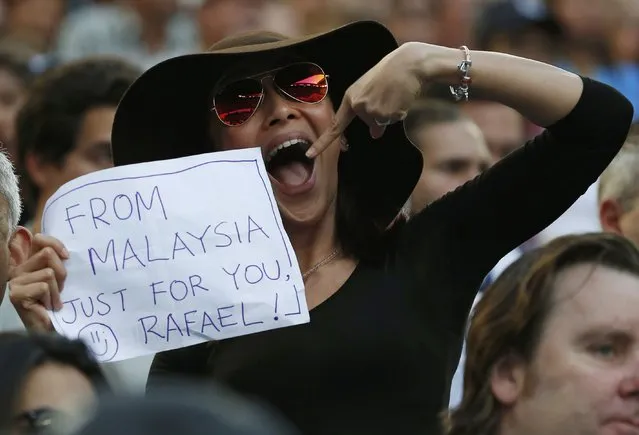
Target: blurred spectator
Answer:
pixel 584 21
pixel 185 411
pixel 33 22
pixel 591 45
pixel 143 31
pixel 44 381
pixel 510 27
pixel 453 148
pixel 64 128
pixel 16 75
pixel 625 35
pixel 220 18
pixel 619 193
pixel 504 129
pixel 455 20
pixel 281 17
pixel 320 15
pixel 413 20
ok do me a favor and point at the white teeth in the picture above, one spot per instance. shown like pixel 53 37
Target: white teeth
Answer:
pixel 283 145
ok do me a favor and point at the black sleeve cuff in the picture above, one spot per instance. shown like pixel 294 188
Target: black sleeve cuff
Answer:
pixel 601 118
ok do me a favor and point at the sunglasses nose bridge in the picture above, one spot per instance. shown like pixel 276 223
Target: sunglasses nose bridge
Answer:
pixel 271 86
pixel 267 81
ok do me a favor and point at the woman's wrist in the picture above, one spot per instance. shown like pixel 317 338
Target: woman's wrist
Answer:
pixel 436 64
pixel 542 93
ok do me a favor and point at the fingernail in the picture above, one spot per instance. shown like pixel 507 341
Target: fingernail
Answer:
pixel 58 306
pixel 310 153
pixel 65 253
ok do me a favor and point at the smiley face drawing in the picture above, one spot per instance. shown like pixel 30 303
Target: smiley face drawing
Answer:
pixel 101 340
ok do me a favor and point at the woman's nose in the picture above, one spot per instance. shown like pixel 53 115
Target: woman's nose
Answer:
pixel 277 107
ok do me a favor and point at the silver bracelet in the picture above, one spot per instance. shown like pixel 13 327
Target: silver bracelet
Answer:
pixel 460 92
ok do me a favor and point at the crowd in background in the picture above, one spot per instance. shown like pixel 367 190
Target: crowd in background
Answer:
pixel 595 38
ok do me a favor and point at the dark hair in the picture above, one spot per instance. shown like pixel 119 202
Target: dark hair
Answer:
pixel 430 112
pixel 510 317
pixel 360 235
pixel 21 353
pixel 48 123
pixel 186 409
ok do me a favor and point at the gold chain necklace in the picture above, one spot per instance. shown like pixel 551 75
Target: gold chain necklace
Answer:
pixel 330 257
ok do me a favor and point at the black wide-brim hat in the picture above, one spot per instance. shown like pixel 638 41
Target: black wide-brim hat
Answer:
pixel 166 113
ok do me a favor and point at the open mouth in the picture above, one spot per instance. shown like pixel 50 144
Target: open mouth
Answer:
pixel 288 165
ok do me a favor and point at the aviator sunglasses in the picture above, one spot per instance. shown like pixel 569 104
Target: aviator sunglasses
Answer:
pixel 237 101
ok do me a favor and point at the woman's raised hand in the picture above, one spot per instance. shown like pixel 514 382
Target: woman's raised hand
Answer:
pixel 382 96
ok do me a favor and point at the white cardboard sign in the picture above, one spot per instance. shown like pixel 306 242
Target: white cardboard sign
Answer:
pixel 173 253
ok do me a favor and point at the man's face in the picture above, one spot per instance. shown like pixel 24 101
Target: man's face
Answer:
pixel 92 152
pixel 584 378
pixel 503 127
pixel 454 153
pixel 629 223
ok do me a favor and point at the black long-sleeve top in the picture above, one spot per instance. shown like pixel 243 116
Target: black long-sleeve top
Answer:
pixel 378 356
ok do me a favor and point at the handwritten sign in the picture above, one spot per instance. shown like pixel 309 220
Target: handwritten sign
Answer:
pixel 173 253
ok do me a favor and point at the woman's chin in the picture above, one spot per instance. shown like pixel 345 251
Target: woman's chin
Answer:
pixel 308 213
pixel 300 214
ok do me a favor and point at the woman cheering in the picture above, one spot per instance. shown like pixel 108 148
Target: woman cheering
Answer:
pixel 388 299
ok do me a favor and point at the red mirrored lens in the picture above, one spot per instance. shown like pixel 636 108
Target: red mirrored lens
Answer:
pixel 238 101
pixel 305 82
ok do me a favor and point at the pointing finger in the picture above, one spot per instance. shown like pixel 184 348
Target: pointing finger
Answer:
pixel 343 118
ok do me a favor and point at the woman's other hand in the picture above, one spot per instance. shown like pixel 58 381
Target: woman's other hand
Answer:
pixel 36 284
